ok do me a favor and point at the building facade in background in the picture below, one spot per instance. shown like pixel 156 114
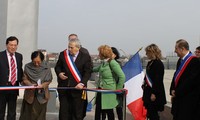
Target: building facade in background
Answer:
pixel 20 18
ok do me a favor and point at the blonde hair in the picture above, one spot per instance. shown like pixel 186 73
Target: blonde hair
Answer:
pixel 105 51
pixel 153 51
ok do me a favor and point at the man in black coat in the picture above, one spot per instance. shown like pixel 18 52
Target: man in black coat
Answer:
pixel 185 86
pixel 72 65
pixel 84 50
pixel 9 78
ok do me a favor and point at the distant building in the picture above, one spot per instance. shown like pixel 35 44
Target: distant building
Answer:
pixel 169 62
pixel 52 57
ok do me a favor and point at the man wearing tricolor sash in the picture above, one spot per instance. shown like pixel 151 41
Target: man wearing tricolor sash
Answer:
pixel 73 70
pixel 185 85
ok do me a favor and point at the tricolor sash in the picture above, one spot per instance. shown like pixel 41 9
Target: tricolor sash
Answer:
pixel 72 67
pixel 182 68
pixel 148 80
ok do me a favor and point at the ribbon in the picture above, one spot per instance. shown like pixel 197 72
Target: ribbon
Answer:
pixel 63 88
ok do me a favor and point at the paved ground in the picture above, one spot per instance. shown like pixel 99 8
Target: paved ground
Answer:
pixel 53 105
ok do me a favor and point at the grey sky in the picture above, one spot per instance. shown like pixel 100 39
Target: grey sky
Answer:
pixel 125 24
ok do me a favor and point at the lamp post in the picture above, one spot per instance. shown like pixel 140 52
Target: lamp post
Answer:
pixel 126 55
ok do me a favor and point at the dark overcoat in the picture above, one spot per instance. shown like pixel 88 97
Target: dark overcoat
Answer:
pixel 155 71
pixel 185 104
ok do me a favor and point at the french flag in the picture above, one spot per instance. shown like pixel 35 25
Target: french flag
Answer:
pixel 134 80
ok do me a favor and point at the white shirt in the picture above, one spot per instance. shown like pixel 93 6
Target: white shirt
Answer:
pixel 185 55
pixel 9 62
pixel 75 56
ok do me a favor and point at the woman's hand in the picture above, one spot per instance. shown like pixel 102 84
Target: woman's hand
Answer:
pixel 40 86
pixel 153 97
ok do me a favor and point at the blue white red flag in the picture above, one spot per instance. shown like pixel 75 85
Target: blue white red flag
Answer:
pixel 134 80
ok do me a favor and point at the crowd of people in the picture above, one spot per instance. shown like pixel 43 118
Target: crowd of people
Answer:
pixel 73 70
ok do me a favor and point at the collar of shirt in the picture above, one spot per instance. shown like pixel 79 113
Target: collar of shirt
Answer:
pixel 75 56
pixel 185 55
pixel 8 54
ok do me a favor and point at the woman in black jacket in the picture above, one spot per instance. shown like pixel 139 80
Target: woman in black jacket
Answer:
pixel 153 88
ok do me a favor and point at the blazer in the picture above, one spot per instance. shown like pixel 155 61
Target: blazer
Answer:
pixel 155 71
pixel 83 63
pixel 4 71
pixel 187 92
pixel 108 71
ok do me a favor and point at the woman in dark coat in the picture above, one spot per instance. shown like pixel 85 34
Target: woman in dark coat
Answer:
pixel 154 93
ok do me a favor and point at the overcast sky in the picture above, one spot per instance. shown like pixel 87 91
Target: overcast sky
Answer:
pixel 125 24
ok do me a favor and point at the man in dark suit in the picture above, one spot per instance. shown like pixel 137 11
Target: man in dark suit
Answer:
pixel 185 88
pixel 73 69
pixel 10 75
pixel 84 50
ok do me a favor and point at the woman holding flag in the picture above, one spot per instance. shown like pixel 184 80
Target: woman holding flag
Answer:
pixel 153 88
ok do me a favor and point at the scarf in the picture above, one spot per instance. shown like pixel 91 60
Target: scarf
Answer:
pixel 43 72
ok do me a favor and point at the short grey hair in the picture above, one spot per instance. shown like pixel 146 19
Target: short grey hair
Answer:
pixel 76 41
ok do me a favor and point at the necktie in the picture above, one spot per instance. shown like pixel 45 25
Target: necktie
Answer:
pixel 73 57
pixel 13 70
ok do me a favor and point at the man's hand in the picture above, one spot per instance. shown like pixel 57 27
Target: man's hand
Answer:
pixel 79 86
pixel 173 95
pixel 62 76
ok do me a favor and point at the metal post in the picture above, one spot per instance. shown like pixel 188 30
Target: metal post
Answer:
pixel 124 104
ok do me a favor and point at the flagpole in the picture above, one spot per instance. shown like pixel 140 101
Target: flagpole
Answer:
pixel 136 53
pixel 124 104
pixel 139 50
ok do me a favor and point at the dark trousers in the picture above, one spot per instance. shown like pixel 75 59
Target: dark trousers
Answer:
pixel 10 100
pixel 152 113
pixel 119 113
pixel 71 105
pixel 100 113
pixel 119 109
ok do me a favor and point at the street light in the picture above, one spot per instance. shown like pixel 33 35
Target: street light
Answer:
pixel 126 55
